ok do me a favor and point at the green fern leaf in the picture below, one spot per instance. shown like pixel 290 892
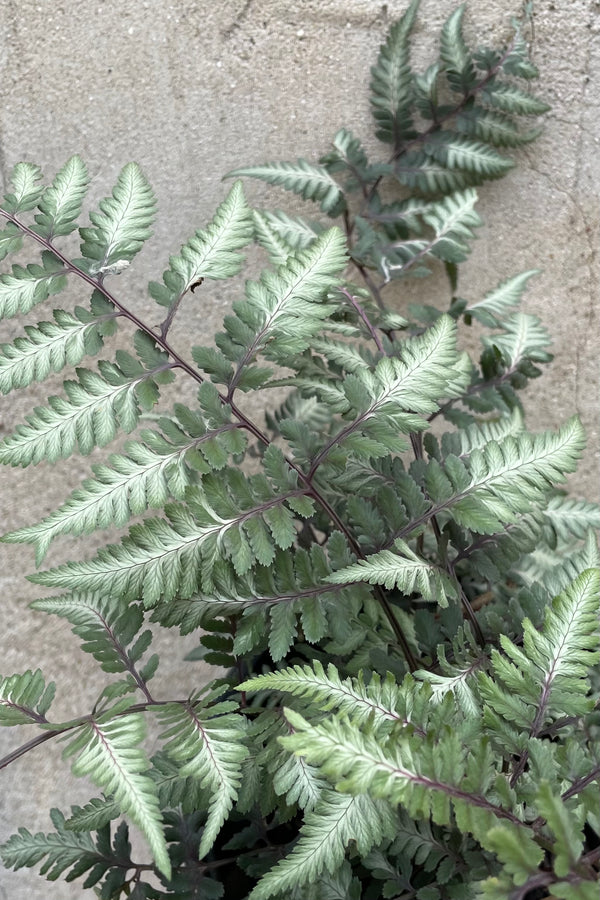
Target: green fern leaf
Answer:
pixel 309 181
pixel 511 99
pixel 120 228
pixel 571 518
pixel 25 287
pixel 569 839
pixel 551 670
pixel 25 699
pixel 11 240
pixel 476 436
pixel 295 232
pixel 26 190
pixel 270 240
pixel 380 701
pixel 61 850
pixel 107 751
pixel 208 745
pixel 516 850
pixel 419 171
pixel 523 337
pixel 146 476
pixel 284 310
pixel 88 415
pixel 505 478
pixel 457 152
pixel 391 81
pixel 93 816
pixel 49 347
pixel 61 202
pixel 404 570
pixel 452 220
pixel 106 626
pixel 211 253
pixel 495 128
pixel 454 54
pixel 324 836
pixel 506 296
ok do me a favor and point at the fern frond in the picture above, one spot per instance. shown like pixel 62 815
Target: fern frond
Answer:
pixel 25 699
pixel 571 518
pixel 294 231
pixel 455 56
pixel 523 337
pixel 26 287
pixel 50 346
pixel 452 220
pixel 90 413
pixel 381 700
pixel 280 315
pixel 428 779
pixel 309 181
pixel 418 171
pixel 119 229
pixel 506 296
pixel 495 128
pixel 60 204
pixel 61 850
pixel 511 99
pixel 150 472
pixel 454 151
pixel 475 437
pixel 163 559
pixel 93 816
pixel 107 751
pixel 403 569
pixel 212 252
pixel 110 630
pixel 26 189
pixel 11 240
pixel 391 81
pixel 327 830
pixel 550 673
pixel 503 478
pixel 208 745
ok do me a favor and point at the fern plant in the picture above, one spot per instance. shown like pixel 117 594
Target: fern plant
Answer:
pixel 400 600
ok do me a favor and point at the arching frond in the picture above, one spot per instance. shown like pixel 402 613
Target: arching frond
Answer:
pixel 309 181
pixel 107 750
pixel 208 745
pixel 119 229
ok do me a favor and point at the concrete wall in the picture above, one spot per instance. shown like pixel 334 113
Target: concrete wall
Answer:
pixel 193 88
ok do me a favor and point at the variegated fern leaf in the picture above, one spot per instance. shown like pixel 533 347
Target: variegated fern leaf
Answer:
pixel 399 600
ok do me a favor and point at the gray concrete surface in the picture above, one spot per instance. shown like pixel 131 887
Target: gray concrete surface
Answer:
pixel 192 89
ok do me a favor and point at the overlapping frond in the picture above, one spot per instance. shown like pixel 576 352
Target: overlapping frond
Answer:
pixel 208 745
pixel 326 833
pixel 150 472
pixel 281 313
pixel 29 285
pixel 93 408
pixel 551 671
pixel 107 750
pixel 52 345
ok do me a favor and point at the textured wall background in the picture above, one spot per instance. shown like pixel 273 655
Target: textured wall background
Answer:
pixel 193 88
